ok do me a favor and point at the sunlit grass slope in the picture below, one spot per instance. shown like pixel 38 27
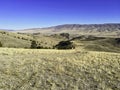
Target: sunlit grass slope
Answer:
pixel 15 40
pixel 20 40
pixel 25 69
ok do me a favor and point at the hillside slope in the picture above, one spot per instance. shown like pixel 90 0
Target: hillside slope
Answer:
pixel 86 42
pixel 19 40
pixel 9 39
pixel 93 43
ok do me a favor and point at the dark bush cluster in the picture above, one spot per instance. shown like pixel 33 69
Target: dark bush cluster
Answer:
pixel 60 45
pixel 0 44
pixel 25 39
pixel 117 40
pixel 34 45
pixel 65 45
pixel 66 35
pixel 3 32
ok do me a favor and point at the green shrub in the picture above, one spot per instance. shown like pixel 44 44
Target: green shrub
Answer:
pixel 0 44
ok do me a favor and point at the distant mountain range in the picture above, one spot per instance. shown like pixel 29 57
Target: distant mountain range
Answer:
pixel 88 29
pixel 6 30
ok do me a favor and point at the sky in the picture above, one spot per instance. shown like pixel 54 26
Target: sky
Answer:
pixel 23 14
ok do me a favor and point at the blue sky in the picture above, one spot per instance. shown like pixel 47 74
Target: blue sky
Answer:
pixel 21 14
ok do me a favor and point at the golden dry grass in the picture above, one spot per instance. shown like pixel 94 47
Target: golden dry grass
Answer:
pixel 26 69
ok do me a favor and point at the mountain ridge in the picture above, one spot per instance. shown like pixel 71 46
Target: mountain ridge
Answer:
pixel 80 25
pixel 109 29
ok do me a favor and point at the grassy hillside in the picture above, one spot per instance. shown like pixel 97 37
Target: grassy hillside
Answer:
pixel 26 69
pixel 97 43
pixel 21 40
pixel 15 40
pixel 48 40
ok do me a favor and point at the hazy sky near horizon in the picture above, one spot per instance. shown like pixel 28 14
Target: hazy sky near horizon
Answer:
pixel 21 14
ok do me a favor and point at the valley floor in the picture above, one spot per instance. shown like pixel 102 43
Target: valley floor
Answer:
pixel 27 69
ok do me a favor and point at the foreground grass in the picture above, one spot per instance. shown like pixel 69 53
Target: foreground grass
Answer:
pixel 24 69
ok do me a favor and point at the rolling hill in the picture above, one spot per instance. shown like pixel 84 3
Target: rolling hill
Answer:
pixel 86 42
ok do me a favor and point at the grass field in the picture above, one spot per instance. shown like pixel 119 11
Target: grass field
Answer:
pixel 27 69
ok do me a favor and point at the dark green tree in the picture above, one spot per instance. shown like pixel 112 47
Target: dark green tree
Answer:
pixel 33 44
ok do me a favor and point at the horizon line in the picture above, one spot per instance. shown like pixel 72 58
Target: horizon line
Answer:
pixel 57 25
